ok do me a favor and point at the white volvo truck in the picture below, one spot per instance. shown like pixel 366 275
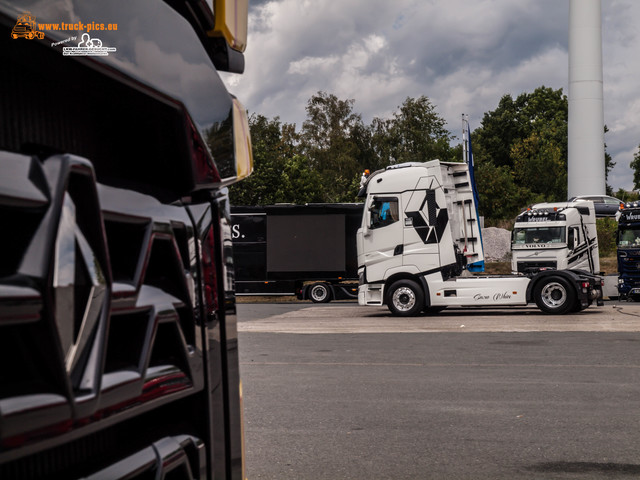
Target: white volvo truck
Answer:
pixel 420 227
pixel 555 236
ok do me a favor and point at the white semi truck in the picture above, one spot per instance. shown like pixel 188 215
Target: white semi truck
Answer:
pixel 419 230
pixel 556 236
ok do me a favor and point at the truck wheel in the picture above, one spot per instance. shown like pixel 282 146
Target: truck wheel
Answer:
pixel 554 295
pixel 405 298
pixel 320 293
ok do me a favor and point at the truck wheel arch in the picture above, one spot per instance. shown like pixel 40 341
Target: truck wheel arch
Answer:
pixel 555 294
pixel 419 279
pixel 570 276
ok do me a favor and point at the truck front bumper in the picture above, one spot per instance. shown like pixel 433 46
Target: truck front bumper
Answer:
pixel 371 294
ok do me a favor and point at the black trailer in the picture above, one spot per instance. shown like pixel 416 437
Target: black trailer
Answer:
pixel 303 250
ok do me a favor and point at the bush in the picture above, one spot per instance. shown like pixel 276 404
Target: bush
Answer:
pixel 606 228
pixel 506 223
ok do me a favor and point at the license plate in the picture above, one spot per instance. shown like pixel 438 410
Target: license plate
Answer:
pixel 635 291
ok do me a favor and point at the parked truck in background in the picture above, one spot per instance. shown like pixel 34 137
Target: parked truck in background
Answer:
pixel 419 230
pixel 303 250
pixel 556 236
pixel 118 343
pixel 628 240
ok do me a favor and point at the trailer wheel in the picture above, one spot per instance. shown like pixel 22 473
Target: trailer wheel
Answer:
pixel 554 295
pixel 320 293
pixel 405 298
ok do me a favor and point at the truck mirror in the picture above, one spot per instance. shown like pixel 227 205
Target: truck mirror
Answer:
pixel 231 17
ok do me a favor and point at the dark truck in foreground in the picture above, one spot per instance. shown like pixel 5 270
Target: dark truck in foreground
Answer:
pixel 629 252
pixel 118 343
pixel 303 250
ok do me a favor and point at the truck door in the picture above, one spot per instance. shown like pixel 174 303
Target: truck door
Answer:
pixel 382 236
pixel 425 227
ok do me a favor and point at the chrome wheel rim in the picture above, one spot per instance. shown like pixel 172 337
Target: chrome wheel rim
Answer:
pixel 404 299
pixel 553 295
pixel 319 293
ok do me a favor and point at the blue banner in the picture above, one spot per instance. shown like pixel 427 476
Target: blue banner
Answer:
pixel 476 266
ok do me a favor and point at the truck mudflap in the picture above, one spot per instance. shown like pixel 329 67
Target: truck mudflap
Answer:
pixel 565 291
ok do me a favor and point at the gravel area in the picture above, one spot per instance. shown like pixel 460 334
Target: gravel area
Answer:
pixel 497 244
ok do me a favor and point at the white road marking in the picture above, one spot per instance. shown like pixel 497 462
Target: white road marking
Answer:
pixel 623 317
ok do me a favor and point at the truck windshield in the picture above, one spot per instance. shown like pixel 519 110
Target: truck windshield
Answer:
pixel 629 236
pixel 538 235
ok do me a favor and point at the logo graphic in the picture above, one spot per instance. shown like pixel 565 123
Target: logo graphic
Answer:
pixel 26 27
pixel 88 46
pixel 431 228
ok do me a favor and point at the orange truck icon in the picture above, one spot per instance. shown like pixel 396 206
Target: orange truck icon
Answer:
pixel 26 27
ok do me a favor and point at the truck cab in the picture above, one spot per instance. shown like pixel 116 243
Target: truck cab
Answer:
pixel 628 239
pixel 555 236
pixel 418 217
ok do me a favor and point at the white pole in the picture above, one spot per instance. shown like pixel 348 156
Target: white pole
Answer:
pixel 586 166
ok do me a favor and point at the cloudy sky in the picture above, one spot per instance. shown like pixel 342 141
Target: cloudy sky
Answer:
pixel 463 54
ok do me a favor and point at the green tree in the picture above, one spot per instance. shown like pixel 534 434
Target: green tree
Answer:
pixel 329 139
pixel 300 180
pixel 515 120
pixel 281 174
pixel 417 133
pixel 626 196
pixel 539 165
pixel 635 166
pixel 325 161
pixel 526 138
pixel 608 166
pixel 500 197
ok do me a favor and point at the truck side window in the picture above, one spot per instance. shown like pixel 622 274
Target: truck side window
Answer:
pixel 383 211
pixel 574 236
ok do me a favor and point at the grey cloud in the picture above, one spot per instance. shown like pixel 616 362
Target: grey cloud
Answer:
pixel 464 55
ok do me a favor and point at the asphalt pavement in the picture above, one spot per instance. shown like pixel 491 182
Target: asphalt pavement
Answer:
pixel 499 394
